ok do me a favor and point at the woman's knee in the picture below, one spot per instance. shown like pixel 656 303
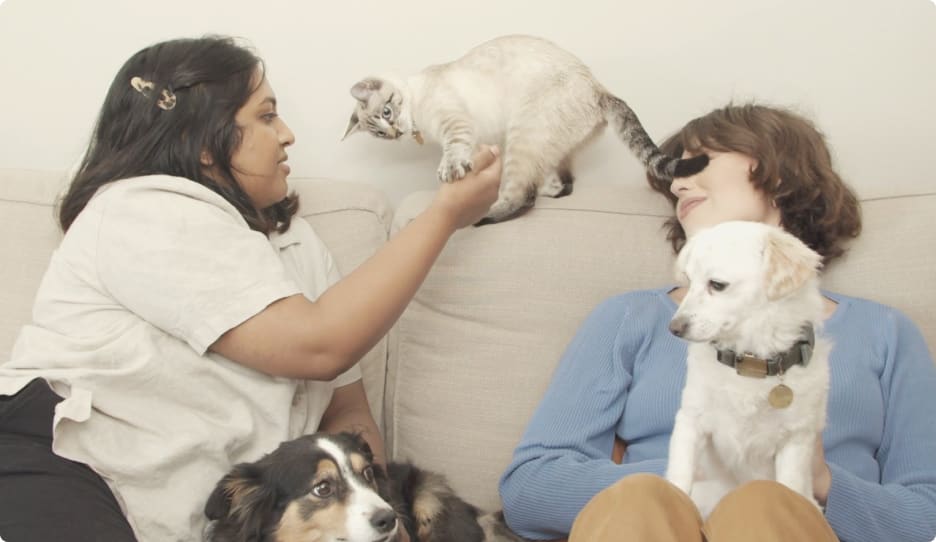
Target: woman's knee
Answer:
pixel 640 491
pixel 770 510
pixel 641 504
pixel 765 497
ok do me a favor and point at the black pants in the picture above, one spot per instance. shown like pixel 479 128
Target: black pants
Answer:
pixel 44 497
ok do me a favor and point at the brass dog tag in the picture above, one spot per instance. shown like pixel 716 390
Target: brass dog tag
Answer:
pixel 781 396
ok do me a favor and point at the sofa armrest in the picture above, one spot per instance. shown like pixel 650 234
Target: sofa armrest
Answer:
pixel 29 232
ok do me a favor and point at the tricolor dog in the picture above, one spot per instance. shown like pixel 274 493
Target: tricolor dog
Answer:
pixel 326 488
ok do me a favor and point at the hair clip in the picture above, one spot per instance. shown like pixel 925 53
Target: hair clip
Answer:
pixel 167 100
pixel 141 85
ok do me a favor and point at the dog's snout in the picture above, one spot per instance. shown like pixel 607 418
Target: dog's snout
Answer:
pixel 678 326
pixel 383 521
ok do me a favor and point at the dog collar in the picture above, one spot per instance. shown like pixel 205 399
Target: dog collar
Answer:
pixel 749 365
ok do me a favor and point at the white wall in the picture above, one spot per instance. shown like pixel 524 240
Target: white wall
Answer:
pixel 863 69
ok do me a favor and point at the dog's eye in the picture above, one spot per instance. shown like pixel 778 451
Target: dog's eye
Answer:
pixel 368 473
pixel 717 285
pixel 323 489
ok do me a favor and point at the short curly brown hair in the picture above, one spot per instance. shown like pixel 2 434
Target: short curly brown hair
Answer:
pixel 794 169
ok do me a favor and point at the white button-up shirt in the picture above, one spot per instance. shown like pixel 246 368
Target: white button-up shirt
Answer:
pixel 149 275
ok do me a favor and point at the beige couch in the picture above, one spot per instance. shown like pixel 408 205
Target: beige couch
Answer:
pixel 459 375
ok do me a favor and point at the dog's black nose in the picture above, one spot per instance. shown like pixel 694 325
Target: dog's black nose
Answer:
pixel 678 326
pixel 383 520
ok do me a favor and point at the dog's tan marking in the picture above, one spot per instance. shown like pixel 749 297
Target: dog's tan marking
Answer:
pixel 358 462
pixel 427 504
pixel 327 523
pixel 324 467
pixel 326 470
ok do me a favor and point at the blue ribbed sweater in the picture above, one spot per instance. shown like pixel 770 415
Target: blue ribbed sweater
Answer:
pixel 623 374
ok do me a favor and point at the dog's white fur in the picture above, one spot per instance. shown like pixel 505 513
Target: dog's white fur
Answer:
pixel 363 502
pixel 726 433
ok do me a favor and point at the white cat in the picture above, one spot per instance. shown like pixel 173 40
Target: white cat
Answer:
pixel 536 100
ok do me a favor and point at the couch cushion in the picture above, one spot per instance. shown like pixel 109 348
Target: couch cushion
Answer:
pixel 353 220
pixel 892 262
pixel 474 351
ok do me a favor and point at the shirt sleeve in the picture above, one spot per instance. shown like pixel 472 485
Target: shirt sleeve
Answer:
pixel 186 262
pixel 902 507
pixel 564 457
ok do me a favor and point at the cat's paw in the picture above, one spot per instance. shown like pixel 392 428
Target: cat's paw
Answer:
pixel 454 166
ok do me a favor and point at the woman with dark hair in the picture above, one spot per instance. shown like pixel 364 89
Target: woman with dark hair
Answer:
pixel 186 323
pixel 591 463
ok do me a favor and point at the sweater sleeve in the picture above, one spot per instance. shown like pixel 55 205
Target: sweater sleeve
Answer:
pixel 564 457
pixel 902 507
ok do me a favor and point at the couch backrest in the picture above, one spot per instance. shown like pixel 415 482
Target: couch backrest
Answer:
pixel 352 219
pixel 473 353
pixel 468 361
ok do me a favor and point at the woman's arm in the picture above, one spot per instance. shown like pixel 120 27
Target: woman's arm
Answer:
pixel 318 340
pixel 565 455
pixel 349 410
pixel 902 506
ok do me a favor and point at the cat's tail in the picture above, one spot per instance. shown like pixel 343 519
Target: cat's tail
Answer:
pixel 632 132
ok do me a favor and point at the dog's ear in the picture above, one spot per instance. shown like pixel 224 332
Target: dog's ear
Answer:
pixel 788 263
pixel 241 501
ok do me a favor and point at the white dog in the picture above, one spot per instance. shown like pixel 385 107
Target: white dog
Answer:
pixel 757 379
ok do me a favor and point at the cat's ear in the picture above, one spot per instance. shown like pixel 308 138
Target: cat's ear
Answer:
pixel 353 126
pixel 363 89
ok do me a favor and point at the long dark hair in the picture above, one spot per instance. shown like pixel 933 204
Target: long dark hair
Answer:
pixel 794 170
pixel 210 79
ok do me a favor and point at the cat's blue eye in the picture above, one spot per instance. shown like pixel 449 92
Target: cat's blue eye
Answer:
pixel 381 133
pixel 387 112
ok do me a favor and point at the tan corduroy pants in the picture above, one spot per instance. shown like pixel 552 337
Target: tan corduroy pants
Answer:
pixel 647 508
